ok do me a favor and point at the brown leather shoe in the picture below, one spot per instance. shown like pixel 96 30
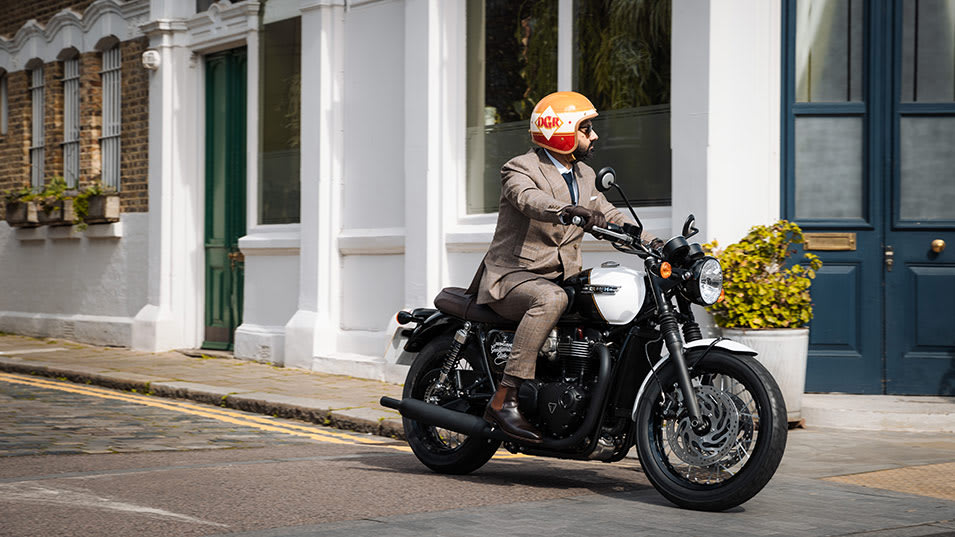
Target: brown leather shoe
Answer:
pixel 502 411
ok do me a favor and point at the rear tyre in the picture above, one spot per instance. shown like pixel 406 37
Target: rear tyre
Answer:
pixel 736 456
pixel 445 451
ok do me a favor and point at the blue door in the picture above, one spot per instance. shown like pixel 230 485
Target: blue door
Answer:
pixel 869 173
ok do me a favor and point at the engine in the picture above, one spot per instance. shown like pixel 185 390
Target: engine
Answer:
pixel 558 398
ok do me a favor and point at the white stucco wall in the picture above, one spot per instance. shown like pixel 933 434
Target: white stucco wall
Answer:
pixel 57 282
pixel 725 115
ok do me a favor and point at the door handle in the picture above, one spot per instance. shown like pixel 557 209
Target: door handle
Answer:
pixel 235 257
pixel 938 246
pixel 889 258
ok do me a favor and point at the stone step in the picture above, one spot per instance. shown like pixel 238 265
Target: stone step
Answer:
pixel 880 412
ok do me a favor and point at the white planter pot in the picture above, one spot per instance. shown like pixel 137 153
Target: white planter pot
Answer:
pixel 783 352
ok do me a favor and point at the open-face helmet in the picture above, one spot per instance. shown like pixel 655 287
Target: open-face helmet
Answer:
pixel 555 119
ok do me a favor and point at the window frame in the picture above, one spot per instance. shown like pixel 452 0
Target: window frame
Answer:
pixel 566 76
pixel 4 103
pixel 110 137
pixel 37 89
pixel 71 120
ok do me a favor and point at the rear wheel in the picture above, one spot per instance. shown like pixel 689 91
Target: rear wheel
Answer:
pixel 738 451
pixel 445 451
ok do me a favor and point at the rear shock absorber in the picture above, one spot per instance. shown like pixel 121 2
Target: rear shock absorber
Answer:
pixel 460 337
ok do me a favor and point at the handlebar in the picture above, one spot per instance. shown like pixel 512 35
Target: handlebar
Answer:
pixel 622 237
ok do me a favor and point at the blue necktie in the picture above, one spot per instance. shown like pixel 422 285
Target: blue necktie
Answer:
pixel 571 184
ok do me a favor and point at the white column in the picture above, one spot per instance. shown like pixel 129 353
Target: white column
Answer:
pixel 744 127
pixel 425 98
pixel 172 317
pixel 689 112
pixel 725 106
pixel 313 329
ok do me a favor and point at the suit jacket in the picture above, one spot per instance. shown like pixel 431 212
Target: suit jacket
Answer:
pixel 529 241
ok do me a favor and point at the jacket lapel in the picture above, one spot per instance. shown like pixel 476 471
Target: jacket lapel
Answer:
pixel 558 187
pixel 585 186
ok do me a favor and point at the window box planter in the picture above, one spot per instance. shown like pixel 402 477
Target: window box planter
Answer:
pixel 22 214
pixel 58 213
pixel 103 209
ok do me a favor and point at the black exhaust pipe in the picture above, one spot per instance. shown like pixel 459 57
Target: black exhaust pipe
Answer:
pixel 471 425
pixel 439 416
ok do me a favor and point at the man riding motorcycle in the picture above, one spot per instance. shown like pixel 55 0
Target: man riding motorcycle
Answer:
pixel 533 248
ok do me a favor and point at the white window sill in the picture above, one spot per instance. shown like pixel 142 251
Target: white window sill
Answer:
pixel 272 240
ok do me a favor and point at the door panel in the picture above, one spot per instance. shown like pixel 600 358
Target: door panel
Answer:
pixel 225 194
pixel 844 343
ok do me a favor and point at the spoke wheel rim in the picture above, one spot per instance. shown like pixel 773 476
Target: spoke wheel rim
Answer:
pixel 718 455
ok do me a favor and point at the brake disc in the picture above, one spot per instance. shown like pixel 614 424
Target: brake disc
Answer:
pixel 720 410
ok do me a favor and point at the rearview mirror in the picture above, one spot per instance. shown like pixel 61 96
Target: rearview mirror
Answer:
pixel 606 177
pixel 688 228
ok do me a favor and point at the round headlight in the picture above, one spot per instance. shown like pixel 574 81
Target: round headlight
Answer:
pixel 709 277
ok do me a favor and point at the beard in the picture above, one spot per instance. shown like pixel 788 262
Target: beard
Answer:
pixel 583 155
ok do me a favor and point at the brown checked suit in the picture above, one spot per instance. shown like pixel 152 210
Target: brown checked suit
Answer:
pixel 531 249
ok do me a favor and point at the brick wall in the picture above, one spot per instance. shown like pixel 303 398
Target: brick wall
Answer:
pixel 17 12
pixel 53 119
pixel 134 138
pixel 91 117
pixel 15 145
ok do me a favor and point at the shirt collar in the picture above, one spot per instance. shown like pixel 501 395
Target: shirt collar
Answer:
pixel 560 167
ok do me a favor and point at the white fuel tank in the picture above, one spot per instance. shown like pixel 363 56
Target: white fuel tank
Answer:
pixel 618 292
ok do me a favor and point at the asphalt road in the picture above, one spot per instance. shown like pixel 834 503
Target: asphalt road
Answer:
pixel 81 460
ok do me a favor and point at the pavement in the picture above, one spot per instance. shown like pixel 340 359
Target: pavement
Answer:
pixel 352 403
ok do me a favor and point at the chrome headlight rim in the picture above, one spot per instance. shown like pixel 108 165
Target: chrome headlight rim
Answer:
pixel 707 283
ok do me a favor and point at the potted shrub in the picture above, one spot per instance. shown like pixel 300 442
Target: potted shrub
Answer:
pixel 767 304
pixel 55 204
pixel 97 204
pixel 20 209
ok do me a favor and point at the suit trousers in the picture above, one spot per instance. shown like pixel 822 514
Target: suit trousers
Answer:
pixel 537 305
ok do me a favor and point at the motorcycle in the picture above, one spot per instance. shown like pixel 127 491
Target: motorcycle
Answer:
pixel 626 365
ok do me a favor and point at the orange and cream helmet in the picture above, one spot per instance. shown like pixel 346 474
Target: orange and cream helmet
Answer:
pixel 555 119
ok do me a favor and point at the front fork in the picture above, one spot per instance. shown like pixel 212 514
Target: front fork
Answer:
pixel 671 336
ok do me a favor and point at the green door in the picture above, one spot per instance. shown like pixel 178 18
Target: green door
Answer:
pixel 225 195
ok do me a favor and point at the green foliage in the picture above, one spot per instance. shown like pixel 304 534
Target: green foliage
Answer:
pixel 81 202
pixel 17 194
pixel 53 192
pixel 760 291
pixel 625 52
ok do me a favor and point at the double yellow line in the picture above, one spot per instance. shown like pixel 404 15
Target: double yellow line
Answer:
pixel 227 416
pixel 224 415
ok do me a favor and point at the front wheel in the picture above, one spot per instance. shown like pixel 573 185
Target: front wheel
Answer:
pixel 737 452
pixel 445 451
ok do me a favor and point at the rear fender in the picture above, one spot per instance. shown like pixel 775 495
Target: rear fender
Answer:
pixel 434 326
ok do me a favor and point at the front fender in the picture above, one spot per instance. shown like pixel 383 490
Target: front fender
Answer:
pixel 693 351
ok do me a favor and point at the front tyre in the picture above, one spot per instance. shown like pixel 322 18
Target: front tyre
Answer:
pixel 445 451
pixel 735 456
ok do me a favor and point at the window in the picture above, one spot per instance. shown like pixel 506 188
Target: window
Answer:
pixel 109 142
pixel 279 117
pixel 618 56
pixel 71 121
pixel 3 104
pixel 37 153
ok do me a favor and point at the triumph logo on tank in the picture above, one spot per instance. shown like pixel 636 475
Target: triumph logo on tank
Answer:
pixel 548 122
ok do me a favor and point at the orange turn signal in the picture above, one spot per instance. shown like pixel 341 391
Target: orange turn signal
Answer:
pixel 665 270
pixel 722 296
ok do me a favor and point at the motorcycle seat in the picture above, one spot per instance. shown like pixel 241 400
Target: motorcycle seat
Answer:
pixel 455 301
